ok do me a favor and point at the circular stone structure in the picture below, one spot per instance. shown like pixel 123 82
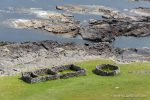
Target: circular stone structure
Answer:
pixel 107 70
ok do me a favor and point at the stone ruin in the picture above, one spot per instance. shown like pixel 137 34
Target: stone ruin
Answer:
pixel 53 73
pixel 107 70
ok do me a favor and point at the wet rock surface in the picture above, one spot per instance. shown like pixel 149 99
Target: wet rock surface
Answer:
pixel 95 10
pixel 113 23
pixel 97 31
pixel 107 29
pixel 57 24
pixel 137 28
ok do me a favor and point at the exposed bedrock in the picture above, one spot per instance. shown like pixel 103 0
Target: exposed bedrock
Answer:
pixel 136 28
pixel 19 57
pixel 57 24
pixel 108 28
pixel 114 23
pixel 93 9
pixel 101 32
pixel 28 56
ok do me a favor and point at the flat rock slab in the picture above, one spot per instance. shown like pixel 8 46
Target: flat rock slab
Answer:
pixel 56 23
pixel 92 9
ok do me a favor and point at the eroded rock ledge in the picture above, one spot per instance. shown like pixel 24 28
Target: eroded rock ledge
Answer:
pixel 20 57
pixel 109 28
pixel 112 24
pixel 56 23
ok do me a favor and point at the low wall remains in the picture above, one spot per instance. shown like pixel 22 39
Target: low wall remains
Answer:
pixel 52 73
pixel 107 70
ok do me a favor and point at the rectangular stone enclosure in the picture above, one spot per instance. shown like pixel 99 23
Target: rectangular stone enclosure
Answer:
pixel 53 73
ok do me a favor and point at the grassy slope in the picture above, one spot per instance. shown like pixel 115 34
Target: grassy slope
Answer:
pixel 126 86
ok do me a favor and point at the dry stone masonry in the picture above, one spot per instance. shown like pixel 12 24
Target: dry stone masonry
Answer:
pixel 52 74
pixel 107 70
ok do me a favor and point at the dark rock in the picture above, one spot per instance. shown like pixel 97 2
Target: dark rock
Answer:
pixel 98 32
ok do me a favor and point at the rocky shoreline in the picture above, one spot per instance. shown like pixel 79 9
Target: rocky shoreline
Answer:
pixel 113 23
pixel 27 56
pixel 20 57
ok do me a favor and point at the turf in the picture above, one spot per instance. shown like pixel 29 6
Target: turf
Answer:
pixel 133 83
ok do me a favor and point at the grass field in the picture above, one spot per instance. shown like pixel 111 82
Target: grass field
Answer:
pixel 133 83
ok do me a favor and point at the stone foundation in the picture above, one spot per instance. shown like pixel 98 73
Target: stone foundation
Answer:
pixel 107 70
pixel 77 71
pixel 52 74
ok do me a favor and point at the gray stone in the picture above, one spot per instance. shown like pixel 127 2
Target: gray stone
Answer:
pixel 102 70
pixel 52 74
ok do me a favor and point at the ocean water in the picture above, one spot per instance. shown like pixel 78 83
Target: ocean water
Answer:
pixel 28 9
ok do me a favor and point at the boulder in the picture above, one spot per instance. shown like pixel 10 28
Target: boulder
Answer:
pixel 98 33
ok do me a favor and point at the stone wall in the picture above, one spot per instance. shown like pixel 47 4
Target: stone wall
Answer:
pixel 52 74
pixel 100 70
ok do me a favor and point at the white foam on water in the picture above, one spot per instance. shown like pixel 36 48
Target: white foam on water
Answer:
pixel 139 12
pixel 14 23
pixel 40 13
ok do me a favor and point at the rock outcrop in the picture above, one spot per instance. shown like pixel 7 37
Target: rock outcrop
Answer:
pixel 20 57
pixel 57 24
pixel 96 10
pixel 113 23
pixel 108 28
pixel 98 32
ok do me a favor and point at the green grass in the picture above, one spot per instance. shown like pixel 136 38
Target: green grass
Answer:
pixel 130 84
pixel 66 71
